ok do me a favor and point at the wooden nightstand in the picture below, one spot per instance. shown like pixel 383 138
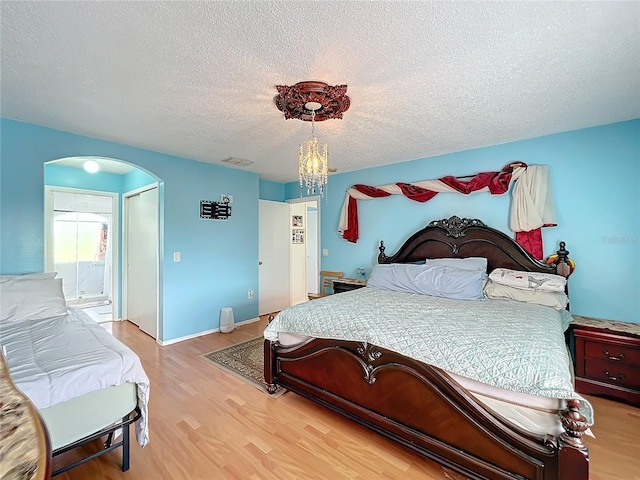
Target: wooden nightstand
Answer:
pixel 607 358
pixel 346 284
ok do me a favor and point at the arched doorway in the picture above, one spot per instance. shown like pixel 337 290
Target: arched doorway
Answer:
pixel 85 238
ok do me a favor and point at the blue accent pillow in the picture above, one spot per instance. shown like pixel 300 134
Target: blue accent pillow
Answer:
pixel 438 281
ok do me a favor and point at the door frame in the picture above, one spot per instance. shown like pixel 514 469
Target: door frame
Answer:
pixel 115 235
pixel 125 248
pixel 318 200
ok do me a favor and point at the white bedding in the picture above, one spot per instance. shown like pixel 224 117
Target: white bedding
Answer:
pixel 58 359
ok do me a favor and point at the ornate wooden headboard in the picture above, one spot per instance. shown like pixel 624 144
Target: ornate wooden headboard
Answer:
pixel 463 237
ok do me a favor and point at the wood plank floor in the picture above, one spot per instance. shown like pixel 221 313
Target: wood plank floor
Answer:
pixel 207 424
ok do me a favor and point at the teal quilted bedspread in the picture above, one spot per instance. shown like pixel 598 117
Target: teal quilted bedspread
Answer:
pixel 504 343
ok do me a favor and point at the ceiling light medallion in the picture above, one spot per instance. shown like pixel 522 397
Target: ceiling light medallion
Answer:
pixel 313 101
pixel 292 100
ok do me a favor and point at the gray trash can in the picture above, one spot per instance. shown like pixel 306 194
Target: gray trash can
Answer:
pixel 226 320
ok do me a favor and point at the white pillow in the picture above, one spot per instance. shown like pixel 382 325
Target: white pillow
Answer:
pixel 544 282
pixel 470 263
pixel 557 300
pixel 31 299
pixel 437 281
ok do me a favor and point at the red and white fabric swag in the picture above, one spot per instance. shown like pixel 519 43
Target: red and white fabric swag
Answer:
pixel 527 199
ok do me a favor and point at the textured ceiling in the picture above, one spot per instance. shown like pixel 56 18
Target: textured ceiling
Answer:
pixel 197 79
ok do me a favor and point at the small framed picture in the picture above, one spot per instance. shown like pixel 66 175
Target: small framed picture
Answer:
pixel 297 236
pixel 296 221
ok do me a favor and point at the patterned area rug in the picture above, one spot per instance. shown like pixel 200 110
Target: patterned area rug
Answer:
pixel 244 360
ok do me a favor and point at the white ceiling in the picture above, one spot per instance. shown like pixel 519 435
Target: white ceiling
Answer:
pixel 197 79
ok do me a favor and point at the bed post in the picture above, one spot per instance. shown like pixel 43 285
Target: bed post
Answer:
pixel 562 266
pixel 381 256
pixel 573 454
pixel 268 368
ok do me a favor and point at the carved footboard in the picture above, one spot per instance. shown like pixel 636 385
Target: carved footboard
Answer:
pixel 422 408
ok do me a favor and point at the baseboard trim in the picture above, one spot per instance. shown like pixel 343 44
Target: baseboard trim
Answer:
pixel 201 334
pixel 244 322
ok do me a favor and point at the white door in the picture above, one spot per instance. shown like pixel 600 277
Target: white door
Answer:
pixel 273 256
pixel 299 242
pixel 313 274
pixel 142 260
pixel 304 256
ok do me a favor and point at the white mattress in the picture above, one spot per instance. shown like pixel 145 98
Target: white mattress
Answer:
pixel 59 359
pixel 533 413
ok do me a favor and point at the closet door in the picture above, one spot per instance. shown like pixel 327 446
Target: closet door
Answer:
pixel 142 260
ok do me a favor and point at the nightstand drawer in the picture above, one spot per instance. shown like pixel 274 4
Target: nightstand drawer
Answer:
pixel 614 352
pixel 612 372
pixel 607 358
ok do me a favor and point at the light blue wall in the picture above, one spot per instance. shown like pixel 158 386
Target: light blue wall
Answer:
pixel 595 178
pixel 219 258
pixel 596 182
pixel 272 191
pixel 135 179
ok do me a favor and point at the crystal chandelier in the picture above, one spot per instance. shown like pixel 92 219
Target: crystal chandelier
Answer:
pixel 313 101
pixel 314 158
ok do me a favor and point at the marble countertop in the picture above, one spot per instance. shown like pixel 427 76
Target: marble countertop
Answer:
pixel 624 327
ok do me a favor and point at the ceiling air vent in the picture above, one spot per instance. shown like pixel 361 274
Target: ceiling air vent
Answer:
pixel 237 162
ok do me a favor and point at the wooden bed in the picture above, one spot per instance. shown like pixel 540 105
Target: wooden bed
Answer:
pixel 420 406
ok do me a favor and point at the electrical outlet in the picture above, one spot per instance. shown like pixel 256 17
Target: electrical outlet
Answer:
pixel 325 252
pixel 176 256
pixel 250 294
